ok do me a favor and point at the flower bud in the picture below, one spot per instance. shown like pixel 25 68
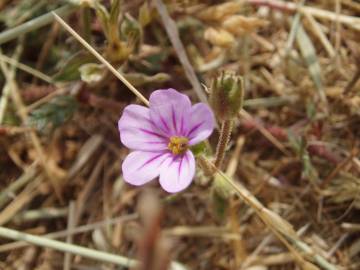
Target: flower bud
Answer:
pixel 227 95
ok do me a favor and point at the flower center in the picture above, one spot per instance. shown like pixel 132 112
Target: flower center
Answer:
pixel 178 145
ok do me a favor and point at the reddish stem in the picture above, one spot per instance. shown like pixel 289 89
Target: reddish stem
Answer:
pixel 282 135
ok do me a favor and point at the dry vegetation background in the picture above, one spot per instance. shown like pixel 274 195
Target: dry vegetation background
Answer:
pixel 290 199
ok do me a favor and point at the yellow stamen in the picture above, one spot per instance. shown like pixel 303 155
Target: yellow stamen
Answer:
pixel 178 145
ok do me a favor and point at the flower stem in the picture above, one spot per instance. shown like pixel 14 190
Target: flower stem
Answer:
pixel 207 169
pixel 226 128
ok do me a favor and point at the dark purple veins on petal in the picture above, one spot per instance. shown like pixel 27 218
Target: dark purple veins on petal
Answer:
pixel 194 129
pixel 152 133
pixel 151 160
pixel 173 117
pixel 182 125
pixel 179 170
pixel 164 124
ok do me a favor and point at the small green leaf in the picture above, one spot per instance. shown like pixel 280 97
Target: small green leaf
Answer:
pixel 70 69
pixel 308 52
pixel 139 79
pixel 53 114
pixel 132 31
pixel 103 16
pixel 144 14
pixel 91 72
pixel 199 148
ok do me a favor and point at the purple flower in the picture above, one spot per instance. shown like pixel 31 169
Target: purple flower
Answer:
pixel 160 137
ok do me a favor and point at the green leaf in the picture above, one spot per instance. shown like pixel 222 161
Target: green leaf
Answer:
pixel 139 79
pixel 91 72
pixel 199 148
pixel 53 114
pixel 103 16
pixel 308 52
pixel 144 14
pixel 70 69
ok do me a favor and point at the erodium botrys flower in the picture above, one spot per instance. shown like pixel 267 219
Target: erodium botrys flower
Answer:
pixel 160 137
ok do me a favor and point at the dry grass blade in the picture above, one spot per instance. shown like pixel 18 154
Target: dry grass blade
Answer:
pixel 320 33
pixel 74 249
pixel 33 24
pixel 282 229
pixel 287 193
pixel 309 54
pixel 26 68
pixel 77 230
pixel 61 246
pixel 351 21
pixel 17 99
pixel 27 176
pixel 102 60
pixel 173 34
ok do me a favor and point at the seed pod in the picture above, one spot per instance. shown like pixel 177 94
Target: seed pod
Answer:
pixel 227 95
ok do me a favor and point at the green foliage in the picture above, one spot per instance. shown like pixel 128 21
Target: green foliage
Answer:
pixel 70 69
pixel 199 148
pixel 131 29
pixel 53 114
pixel 91 72
pixel 299 144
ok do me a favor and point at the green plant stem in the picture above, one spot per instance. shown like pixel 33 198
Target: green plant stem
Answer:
pixel 86 23
pixel 225 132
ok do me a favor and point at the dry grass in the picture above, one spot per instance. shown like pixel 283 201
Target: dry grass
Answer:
pixel 288 194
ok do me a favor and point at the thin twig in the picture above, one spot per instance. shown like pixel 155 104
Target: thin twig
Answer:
pixel 280 227
pixel 70 225
pixel 65 247
pixel 350 21
pixel 26 68
pixel 33 24
pixel 75 249
pixel 265 132
pixel 77 230
pixel 102 59
pixel 28 175
pixel 21 108
pixel 173 33
pixel 8 73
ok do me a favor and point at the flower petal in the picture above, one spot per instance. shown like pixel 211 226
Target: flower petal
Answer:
pixel 141 167
pixel 169 111
pixel 177 172
pixel 137 131
pixel 202 123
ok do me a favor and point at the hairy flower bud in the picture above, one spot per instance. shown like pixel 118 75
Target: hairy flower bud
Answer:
pixel 227 95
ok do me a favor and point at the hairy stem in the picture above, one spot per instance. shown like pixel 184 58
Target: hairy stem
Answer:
pixel 225 132
pixel 203 164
